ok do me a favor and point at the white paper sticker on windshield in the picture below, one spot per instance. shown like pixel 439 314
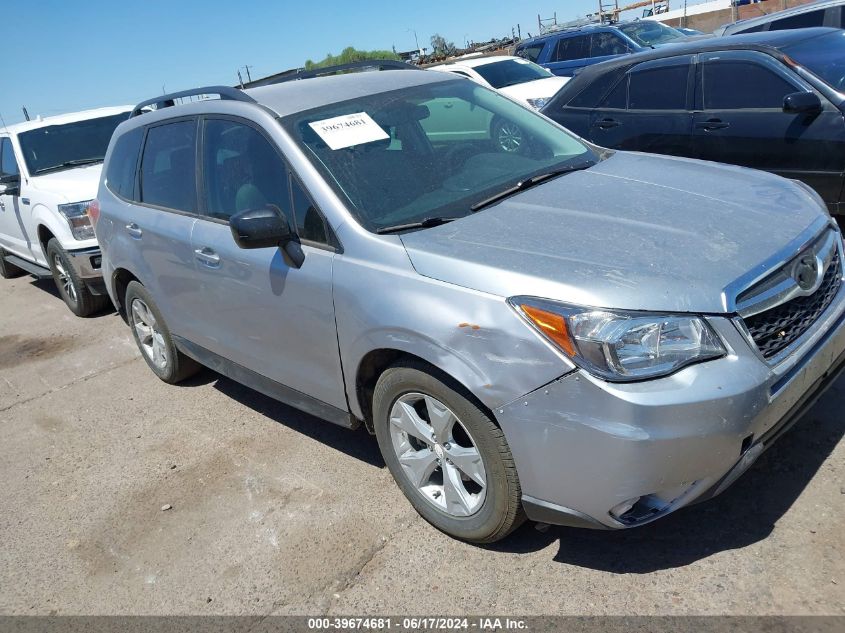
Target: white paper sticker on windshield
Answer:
pixel 348 130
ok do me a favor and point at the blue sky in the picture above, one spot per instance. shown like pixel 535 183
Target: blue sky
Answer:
pixel 61 56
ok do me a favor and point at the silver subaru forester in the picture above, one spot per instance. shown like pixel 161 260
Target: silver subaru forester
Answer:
pixel 540 328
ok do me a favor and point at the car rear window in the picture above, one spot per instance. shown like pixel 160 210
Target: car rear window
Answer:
pixel 123 162
pixel 569 48
pixel 531 52
pixel 168 166
pixel 659 89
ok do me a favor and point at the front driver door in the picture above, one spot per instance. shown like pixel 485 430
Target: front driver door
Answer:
pixel 742 122
pixel 258 310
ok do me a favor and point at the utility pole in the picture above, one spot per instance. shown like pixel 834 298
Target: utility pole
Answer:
pixel 240 79
pixel 25 113
pixel 248 77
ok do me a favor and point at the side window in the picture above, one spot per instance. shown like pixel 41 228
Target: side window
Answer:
pixel 662 88
pixel 569 48
pixel 310 223
pixel 8 163
pixel 531 53
pixel 603 44
pixel 169 165
pixel 618 97
pixel 123 163
pixel 589 97
pixel 736 85
pixel 800 21
pixel 242 171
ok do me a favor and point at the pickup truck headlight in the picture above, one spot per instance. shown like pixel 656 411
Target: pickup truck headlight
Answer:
pixel 76 214
pixel 622 346
pixel 537 103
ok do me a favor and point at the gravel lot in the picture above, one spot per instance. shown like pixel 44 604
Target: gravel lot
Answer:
pixel 275 512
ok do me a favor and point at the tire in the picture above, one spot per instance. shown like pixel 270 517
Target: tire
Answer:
pixel 72 289
pixel 477 514
pixel 507 136
pixel 158 350
pixel 7 270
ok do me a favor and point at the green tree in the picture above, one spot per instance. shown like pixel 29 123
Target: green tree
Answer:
pixel 348 55
pixel 441 47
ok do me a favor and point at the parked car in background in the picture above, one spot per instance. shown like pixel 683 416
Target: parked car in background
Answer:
pixel 771 101
pixel 821 13
pixel 689 32
pixel 567 51
pixel 49 172
pixel 585 337
pixel 514 77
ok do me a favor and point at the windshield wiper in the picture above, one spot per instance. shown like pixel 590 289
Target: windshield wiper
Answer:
pixel 522 185
pixel 422 224
pixel 77 162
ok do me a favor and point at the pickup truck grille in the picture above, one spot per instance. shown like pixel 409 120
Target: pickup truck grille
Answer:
pixel 775 329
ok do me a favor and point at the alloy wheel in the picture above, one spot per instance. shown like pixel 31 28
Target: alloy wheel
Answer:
pixel 149 335
pixel 65 280
pixel 437 454
pixel 509 137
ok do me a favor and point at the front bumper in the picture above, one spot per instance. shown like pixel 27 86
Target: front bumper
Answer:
pixel 583 446
pixel 87 263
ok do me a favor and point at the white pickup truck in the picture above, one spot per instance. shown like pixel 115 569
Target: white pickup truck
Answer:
pixel 49 174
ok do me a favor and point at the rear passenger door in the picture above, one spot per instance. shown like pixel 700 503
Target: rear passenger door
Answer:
pixel 649 109
pixel 161 223
pixel 741 121
pixel 257 310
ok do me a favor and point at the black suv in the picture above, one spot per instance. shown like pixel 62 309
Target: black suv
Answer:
pixel 773 101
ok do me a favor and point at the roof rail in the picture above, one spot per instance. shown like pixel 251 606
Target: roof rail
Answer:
pixel 168 100
pixel 379 64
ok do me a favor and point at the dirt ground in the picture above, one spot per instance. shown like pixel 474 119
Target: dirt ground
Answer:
pixel 275 512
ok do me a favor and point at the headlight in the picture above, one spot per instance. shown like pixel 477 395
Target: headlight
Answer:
pixel 76 214
pixel 537 103
pixel 622 346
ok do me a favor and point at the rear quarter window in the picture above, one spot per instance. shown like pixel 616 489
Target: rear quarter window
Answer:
pixel 531 52
pixel 123 163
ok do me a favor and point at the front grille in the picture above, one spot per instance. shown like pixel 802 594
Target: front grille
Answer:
pixel 776 328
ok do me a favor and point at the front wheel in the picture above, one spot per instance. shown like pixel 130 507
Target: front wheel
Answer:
pixel 447 456
pixel 81 301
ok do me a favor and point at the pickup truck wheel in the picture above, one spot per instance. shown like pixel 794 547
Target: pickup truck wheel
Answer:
pixel 72 289
pixel 154 339
pixel 7 270
pixel 445 453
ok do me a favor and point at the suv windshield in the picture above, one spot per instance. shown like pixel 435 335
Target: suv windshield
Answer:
pixel 427 154
pixel 56 147
pixel 510 72
pixel 824 56
pixel 650 33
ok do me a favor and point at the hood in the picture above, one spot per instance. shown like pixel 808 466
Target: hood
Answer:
pixel 636 231
pixel 537 89
pixel 74 185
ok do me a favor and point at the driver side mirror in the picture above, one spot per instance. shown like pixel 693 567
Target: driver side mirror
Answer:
pixel 10 185
pixel 798 102
pixel 266 228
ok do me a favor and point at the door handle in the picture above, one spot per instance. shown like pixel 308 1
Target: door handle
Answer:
pixel 134 230
pixel 712 124
pixel 207 256
pixel 606 124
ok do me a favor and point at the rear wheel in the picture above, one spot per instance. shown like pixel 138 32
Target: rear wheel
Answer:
pixel 7 270
pixel 81 301
pixel 154 339
pixel 446 454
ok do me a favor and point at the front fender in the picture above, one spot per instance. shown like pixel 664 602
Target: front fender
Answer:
pixel 475 337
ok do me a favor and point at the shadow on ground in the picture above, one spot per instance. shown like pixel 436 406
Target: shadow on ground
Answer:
pixel 49 286
pixel 745 514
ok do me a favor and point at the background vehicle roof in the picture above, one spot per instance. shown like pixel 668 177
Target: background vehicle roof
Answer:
pixel 748 23
pixel 572 30
pixel 771 40
pixel 300 95
pixel 474 62
pixel 61 119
